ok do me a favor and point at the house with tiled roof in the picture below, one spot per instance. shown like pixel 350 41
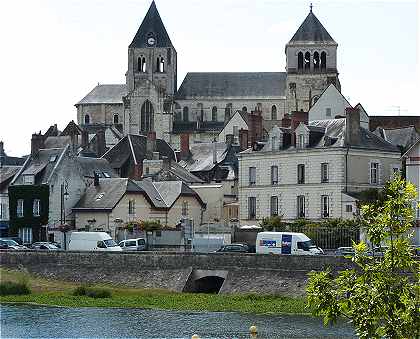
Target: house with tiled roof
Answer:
pixel 314 170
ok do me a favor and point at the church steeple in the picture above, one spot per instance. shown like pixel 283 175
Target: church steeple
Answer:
pixel 152 30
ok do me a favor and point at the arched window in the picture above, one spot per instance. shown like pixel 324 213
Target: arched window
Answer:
pixel 141 64
pixel 316 60
pixel 214 113
pixel 146 117
pixel 274 112
pixel 244 109
pixel 228 111
pixel 185 114
pixel 87 119
pixel 160 64
pixel 323 60
pixel 300 60
pixel 116 119
pixel 307 60
pixel 258 108
pixel 201 111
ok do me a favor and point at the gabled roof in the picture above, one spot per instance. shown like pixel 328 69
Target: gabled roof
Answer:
pixel 6 174
pixel 311 30
pixel 135 146
pixel 403 137
pixel 233 85
pixel 202 155
pixel 105 94
pixel 152 25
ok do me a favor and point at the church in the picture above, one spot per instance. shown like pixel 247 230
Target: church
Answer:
pixel 150 101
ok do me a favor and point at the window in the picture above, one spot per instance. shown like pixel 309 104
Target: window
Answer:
pixel 323 60
pixel 3 211
pixel 274 175
pixel 236 134
pixel 301 206
pixel 316 60
pixel 252 176
pixel 29 179
pixel 184 208
pixel 274 112
pixel 87 119
pixel 53 158
pixel 19 208
pixel 244 109
pixel 160 64
pixel 141 64
pixel 185 113
pixel 106 175
pixel 349 208
pixel 116 119
pixel 307 60
pixel 36 208
pixel 324 172
pixel 301 141
pixel 301 174
pixel 131 207
pixel 228 111
pixel 25 234
pixel 325 206
pixel 328 112
pixel 146 117
pixel 252 208
pixel 300 60
pixel 274 205
pixel 214 113
pixel 374 175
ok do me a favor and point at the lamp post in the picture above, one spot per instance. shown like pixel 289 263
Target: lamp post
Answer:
pixel 63 196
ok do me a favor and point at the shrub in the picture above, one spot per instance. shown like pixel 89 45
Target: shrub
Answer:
pixel 92 292
pixel 14 288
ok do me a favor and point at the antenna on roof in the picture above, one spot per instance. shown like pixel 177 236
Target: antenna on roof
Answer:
pixel 310 7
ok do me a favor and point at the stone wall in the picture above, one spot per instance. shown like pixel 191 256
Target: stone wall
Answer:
pixel 246 272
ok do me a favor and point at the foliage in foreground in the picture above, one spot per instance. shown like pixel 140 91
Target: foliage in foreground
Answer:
pixel 92 292
pixel 380 295
pixel 14 288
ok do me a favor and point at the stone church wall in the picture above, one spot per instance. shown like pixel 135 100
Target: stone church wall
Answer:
pixel 100 113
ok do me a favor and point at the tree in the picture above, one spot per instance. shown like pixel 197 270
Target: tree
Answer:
pixel 380 295
pixel 272 223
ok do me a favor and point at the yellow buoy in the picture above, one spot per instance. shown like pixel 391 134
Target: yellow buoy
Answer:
pixel 253 329
pixel 195 336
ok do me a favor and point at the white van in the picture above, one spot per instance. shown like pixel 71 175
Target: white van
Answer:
pixel 138 244
pixel 92 241
pixel 285 243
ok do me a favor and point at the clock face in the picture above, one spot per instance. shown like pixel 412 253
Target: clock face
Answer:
pixel 151 41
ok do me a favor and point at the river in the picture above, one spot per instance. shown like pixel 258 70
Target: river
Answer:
pixel 23 321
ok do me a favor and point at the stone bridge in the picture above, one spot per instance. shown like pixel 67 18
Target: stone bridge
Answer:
pixel 189 272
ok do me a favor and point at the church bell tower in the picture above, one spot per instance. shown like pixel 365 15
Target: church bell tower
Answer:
pixel 151 55
pixel 311 64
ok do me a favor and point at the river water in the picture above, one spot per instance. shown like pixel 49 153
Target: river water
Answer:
pixel 23 321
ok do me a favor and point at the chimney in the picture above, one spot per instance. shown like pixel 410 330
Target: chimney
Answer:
pixel 37 143
pixel 151 143
pixel 185 145
pixel 296 118
pixel 230 139
pixel 214 153
pixel 2 155
pixel 85 140
pixel 95 179
pixel 352 126
pixel 243 140
pixel 100 143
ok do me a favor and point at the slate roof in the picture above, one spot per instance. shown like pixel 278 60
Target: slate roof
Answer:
pixel 311 30
pixel 403 137
pixel 233 85
pixel 90 165
pixel 152 25
pixel 57 142
pixel 202 156
pixel 7 173
pixel 105 94
pixel 135 146
pixel 105 196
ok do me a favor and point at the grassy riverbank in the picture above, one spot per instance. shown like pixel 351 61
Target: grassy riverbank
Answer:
pixel 59 293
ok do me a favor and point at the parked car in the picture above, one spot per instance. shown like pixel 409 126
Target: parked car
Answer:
pixel 45 246
pixel 92 241
pixel 290 243
pixel 234 248
pixel 344 251
pixel 17 239
pixel 8 244
pixel 138 244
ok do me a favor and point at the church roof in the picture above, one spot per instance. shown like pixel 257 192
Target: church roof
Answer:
pixel 233 85
pixel 311 30
pixel 152 25
pixel 105 94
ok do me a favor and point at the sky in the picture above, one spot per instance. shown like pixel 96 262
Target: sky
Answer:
pixel 54 52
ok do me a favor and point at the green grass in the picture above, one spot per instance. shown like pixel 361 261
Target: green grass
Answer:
pixel 92 292
pixel 52 292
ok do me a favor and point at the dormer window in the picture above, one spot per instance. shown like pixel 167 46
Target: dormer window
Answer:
pixel 301 141
pixel 29 179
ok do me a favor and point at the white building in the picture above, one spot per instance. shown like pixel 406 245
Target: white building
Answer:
pixel 314 172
